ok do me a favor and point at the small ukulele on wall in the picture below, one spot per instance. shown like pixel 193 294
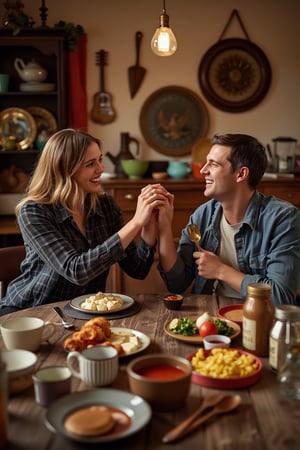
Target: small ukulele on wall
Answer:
pixel 102 111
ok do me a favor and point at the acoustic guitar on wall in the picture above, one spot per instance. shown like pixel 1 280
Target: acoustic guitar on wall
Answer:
pixel 102 111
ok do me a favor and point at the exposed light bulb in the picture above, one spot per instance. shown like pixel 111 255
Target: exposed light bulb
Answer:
pixel 164 42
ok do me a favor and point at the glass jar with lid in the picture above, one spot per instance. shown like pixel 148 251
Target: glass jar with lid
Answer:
pixel 284 333
pixel 258 318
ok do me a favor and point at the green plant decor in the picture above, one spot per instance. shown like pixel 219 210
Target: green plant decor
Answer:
pixel 17 21
pixel 73 33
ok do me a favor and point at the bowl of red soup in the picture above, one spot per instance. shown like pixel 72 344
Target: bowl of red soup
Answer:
pixel 173 301
pixel 162 380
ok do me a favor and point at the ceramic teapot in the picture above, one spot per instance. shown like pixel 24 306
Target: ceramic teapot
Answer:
pixel 31 72
pixel 178 169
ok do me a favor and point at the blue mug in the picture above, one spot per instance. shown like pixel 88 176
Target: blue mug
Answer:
pixel 179 169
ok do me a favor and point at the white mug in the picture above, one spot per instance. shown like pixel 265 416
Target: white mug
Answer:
pixel 98 366
pixel 26 333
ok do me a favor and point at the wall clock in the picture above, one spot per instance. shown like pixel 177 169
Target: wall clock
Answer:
pixel 172 119
pixel 234 75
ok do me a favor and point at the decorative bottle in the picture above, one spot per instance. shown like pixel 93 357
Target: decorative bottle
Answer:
pixel 258 318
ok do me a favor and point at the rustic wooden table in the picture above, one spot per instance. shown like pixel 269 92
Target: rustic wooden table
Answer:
pixel 262 421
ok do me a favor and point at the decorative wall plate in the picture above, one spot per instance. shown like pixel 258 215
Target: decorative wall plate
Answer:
pixel 44 119
pixel 172 119
pixel 19 123
pixel 234 75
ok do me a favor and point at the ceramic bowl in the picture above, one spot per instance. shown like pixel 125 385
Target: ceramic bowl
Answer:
pixel 134 168
pixel 232 312
pixel 159 175
pixel 20 365
pixel 18 362
pixel 163 380
pixel 173 301
pixel 216 341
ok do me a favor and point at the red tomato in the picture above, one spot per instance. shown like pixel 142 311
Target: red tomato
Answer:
pixel 208 328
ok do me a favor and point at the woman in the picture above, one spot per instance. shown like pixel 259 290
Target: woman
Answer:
pixel 72 231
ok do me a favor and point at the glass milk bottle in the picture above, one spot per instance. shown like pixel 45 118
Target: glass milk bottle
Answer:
pixel 258 317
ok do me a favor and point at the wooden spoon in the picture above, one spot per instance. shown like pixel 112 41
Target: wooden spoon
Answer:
pixel 194 234
pixel 207 402
pixel 229 403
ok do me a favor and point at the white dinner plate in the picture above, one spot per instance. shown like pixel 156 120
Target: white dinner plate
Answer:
pixel 144 339
pixel 76 304
pixel 136 408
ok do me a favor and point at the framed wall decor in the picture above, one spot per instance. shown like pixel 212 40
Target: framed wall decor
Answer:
pixel 234 75
pixel 172 119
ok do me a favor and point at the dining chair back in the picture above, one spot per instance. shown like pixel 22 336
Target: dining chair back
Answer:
pixel 10 261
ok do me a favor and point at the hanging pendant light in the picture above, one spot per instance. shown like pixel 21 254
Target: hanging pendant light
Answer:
pixel 164 42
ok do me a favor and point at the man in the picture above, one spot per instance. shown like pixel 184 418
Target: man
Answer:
pixel 246 236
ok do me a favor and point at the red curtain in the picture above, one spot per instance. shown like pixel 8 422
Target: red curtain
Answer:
pixel 77 95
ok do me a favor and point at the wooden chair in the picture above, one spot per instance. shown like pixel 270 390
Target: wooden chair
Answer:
pixel 10 260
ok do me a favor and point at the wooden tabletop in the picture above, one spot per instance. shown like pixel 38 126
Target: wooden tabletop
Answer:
pixel 262 421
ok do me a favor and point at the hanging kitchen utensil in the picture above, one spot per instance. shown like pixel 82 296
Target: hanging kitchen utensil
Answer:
pixel 136 73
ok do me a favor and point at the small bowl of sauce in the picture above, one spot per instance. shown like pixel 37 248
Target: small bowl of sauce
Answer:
pixel 173 301
pixel 161 379
pixel 216 341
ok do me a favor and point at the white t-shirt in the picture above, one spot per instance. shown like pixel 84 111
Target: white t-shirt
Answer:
pixel 227 254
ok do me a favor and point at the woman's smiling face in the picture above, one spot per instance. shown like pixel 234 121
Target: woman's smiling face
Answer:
pixel 89 173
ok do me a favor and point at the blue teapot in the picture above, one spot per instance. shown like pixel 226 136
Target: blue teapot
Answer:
pixel 178 169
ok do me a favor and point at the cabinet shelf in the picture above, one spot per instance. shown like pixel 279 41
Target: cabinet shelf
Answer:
pixel 46 47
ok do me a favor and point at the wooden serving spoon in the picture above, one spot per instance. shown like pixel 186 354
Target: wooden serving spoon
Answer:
pixel 226 404
pixel 229 403
pixel 207 402
pixel 194 234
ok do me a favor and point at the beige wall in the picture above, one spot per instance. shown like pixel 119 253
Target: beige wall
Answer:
pixel 111 25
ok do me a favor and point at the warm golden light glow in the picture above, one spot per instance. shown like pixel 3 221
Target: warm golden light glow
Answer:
pixel 164 42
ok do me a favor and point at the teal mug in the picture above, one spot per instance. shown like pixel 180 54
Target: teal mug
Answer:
pixel 178 169
pixel 4 82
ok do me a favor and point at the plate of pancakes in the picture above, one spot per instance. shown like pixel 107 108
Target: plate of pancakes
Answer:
pixel 98 416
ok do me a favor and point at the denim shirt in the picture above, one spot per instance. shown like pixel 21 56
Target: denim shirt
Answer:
pixel 61 263
pixel 267 248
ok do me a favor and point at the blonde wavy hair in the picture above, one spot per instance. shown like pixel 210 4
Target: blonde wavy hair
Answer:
pixel 53 179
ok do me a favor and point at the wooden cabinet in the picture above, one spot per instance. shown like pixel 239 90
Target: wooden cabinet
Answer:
pixel 47 107
pixel 288 189
pixel 46 47
pixel 188 195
